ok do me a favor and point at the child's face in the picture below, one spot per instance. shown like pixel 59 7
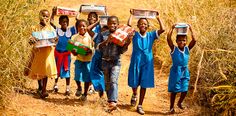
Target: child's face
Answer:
pixel 92 18
pixel 64 23
pixel 181 41
pixel 143 25
pixel 82 28
pixel 112 24
pixel 44 17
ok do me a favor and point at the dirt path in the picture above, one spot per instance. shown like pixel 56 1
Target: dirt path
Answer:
pixel 156 101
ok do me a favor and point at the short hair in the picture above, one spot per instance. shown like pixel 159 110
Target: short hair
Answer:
pixel 43 10
pixel 63 17
pixel 179 36
pixel 113 17
pixel 143 19
pixel 79 21
pixel 93 13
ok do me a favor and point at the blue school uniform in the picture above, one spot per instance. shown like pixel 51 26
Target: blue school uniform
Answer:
pixel 96 73
pixel 179 72
pixel 141 70
pixel 63 38
pixel 97 29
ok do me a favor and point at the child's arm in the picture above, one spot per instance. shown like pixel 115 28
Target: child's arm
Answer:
pixel 162 28
pixel 130 18
pixel 170 42
pixel 193 42
pixel 54 10
pixel 90 27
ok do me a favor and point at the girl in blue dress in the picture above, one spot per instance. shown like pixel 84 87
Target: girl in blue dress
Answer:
pixel 62 55
pixel 179 72
pixel 141 70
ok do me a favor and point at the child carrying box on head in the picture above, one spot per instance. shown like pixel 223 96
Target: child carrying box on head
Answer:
pixel 179 73
pixel 62 55
pixel 141 70
pixel 82 63
pixel 43 64
pixel 110 54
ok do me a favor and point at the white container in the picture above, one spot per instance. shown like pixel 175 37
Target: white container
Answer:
pixel 181 28
pixel 142 13
pixel 103 20
pixel 45 38
pixel 99 9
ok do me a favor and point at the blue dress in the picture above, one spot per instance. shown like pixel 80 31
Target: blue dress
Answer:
pixel 96 73
pixel 63 38
pixel 141 70
pixel 179 72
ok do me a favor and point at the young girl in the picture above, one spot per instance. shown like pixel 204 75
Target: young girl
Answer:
pixel 141 70
pixel 92 19
pixel 43 63
pixel 82 63
pixel 179 73
pixel 62 55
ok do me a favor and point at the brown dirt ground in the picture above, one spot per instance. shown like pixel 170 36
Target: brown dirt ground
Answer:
pixel 156 100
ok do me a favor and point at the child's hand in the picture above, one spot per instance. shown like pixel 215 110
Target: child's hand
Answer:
pixel 190 27
pixel 54 10
pixel 173 26
pixel 33 40
pixel 74 52
pixel 109 39
pixel 131 11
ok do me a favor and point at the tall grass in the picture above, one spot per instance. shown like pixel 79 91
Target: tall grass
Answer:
pixel 214 24
pixel 17 16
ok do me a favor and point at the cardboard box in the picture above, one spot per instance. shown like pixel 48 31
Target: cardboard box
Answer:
pixel 103 20
pixel 80 49
pixel 182 28
pixel 99 9
pixel 121 34
pixel 143 13
pixel 46 38
pixel 66 11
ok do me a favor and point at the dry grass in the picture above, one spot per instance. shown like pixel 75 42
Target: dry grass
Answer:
pixel 212 20
pixel 17 16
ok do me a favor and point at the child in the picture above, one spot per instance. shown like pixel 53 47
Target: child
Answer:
pixel 92 19
pixel 179 73
pixel 62 55
pixel 43 64
pixel 110 54
pixel 141 70
pixel 82 63
pixel 96 73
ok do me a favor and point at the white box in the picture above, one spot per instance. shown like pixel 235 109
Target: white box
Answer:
pixel 182 28
pixel 99 9
pixel 143 13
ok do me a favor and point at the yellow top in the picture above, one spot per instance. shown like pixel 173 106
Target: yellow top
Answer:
pixel 43 61
pixel 85 40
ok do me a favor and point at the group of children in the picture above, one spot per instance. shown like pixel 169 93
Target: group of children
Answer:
pixel 102 67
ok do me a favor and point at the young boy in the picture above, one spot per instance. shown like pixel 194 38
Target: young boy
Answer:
pixel 110 53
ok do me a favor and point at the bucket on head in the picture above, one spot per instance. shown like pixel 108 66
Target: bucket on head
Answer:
pixel 181 28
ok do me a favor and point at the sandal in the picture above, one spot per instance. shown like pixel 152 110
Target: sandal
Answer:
pixel 78 92
pixel 172 111
pixel 112 106
pixel 43 95
pixel 55 88
pixel 180 106
pixel 83 97
pixel 140 110
pixel 133 100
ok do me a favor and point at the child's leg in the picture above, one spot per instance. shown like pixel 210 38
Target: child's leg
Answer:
pixel 79 88
pixel 172 102
pixel 55 88
pixel 67 84
pixel 142 95
pixel 141 98
pixel 181 99
pixel 44 93
pixel 86 86
pixel 40 86
pixel 133 100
